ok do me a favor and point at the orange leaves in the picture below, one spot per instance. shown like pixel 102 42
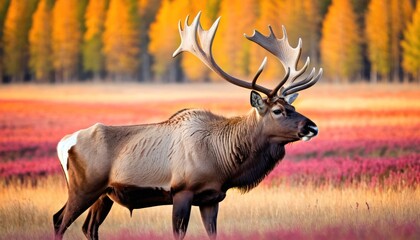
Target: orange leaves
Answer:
pixel 93 58
pixel 231 49
pixel 134 39
pixel 378 41
pixel 164 36
pixel 340 43
pixel 40 42
pixel 384 53
pixel 95 18
pixel 121 47
pixel 66 39
pixel 164 39
pixel 15 38
pixel 411 45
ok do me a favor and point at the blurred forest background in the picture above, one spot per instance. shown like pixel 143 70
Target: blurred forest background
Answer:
pixel 57 41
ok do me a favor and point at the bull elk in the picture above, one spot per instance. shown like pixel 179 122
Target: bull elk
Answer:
pixel 192 158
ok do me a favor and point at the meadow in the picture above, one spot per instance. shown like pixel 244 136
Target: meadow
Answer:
pixel 359 179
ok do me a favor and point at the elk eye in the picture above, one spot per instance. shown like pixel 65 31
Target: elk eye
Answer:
pixel 277 111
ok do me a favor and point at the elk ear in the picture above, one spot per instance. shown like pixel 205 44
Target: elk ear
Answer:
pixel 257 102
pixel 291 98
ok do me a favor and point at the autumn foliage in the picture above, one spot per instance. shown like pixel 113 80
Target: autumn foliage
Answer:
pixel 40 42
pixel 341 42
pixel 66 39
pixel 57 40
pixel 411 45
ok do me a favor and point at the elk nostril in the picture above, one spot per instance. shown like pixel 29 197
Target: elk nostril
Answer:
pixel 307 130
pixel 313 129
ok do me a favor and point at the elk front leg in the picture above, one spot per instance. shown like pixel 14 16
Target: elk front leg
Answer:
pixel 181 213
pixel 209 218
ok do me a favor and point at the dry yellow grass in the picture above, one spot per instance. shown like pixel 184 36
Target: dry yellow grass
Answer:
pixel 26 211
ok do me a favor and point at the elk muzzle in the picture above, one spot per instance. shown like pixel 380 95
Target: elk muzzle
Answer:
pixel 307 130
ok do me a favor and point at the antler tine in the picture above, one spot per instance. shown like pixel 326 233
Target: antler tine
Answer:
pixel 307 79
pixel 202 49
pixel 308 82
pixel 282 82
pixel 254 81
pixel 288 56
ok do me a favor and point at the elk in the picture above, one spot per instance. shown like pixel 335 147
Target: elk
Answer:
pixel 192 158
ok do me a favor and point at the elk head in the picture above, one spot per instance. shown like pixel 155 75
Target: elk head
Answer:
pixel 281 123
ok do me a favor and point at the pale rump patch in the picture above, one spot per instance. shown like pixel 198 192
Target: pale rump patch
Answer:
pixel 63 148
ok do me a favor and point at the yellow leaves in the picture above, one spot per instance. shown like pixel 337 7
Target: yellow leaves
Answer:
pixel 125 37
pixel 384 23
pixel 193 68
pixel 378 42
pixel 231 49
pixel 40 42
pixel 411 45
pixel 164 39
pixel 93 59
pixel 340 43
pixel 15 39
pixel 121 47
pixel 66 36
pixel 301 19
pixel 269 14
pixel 95 18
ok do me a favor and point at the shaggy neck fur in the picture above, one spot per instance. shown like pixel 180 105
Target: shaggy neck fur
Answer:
pixel 244 154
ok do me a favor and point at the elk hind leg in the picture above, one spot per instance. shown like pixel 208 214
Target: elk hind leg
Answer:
pixel 96 216
pixel 75 206
pixel 181 213
pixel 58 219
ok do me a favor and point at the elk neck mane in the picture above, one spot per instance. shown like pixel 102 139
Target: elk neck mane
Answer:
pixel 243 155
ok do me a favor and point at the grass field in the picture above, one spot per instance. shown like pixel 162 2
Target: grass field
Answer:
pixel 359 179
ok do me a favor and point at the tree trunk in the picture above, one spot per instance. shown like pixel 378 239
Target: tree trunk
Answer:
pixel 145 68
pixel 373 76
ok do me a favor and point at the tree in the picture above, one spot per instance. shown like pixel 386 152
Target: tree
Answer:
pixel 313 24
pixel 4 5
pixel 171 12
pixel 411 45
pixel 231 49
pixel 147 12
pixel 66 36
pixel 40 42
pixel 93 58
pixel 164 39
pixel 301 19
pixel 400 13
pixel 378 42
pixel 340 43
pixel 268 14
pixel 384 46
pixel 121 43
pixel 15 38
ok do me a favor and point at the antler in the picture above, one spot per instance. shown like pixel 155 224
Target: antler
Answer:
pixel 202 50
pixel 289 58
pixel 199 42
